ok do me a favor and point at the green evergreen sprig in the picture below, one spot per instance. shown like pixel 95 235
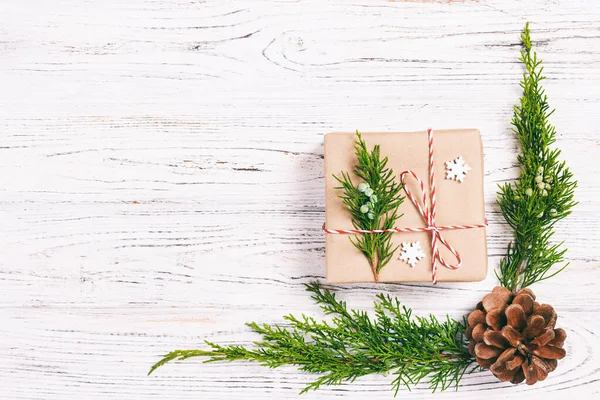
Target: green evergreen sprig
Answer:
pixel 373 203
pixel 543 193
pixel 353 344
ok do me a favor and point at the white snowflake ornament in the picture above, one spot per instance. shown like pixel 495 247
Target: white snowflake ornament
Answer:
pixel 457 169
pixel 411 253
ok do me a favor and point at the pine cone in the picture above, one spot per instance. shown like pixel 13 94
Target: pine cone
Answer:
pixel 514 336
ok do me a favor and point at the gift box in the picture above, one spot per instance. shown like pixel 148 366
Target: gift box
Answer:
pixel 459 226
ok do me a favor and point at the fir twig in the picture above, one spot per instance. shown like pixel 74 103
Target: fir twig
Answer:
pixel 374 209
pixel 353 344
pixel 543 193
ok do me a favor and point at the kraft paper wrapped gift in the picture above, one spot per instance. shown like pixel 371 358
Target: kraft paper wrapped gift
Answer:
pixel 458 203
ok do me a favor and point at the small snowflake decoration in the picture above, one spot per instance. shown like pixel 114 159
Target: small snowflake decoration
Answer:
pixel 411 253
pixel 457 169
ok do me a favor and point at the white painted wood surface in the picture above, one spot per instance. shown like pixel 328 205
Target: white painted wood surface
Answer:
pixel 152 153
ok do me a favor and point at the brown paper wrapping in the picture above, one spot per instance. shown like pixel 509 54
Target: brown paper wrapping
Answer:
pixel 457 204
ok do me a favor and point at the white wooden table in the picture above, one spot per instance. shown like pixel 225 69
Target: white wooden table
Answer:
pixel 161 177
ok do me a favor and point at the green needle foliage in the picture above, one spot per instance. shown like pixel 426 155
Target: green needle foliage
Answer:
pixel 543 193
pixel 374 209
pixel 353 344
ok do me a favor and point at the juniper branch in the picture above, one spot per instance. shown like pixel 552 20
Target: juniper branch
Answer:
pixel 543 193
pixel 378 211
pixel 353 344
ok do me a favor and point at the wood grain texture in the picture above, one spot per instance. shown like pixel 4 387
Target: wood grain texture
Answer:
pixel 162 177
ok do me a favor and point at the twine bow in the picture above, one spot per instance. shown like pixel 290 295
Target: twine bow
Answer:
pixel 428 215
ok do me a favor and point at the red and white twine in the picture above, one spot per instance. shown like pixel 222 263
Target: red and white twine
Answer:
pixel 428 215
